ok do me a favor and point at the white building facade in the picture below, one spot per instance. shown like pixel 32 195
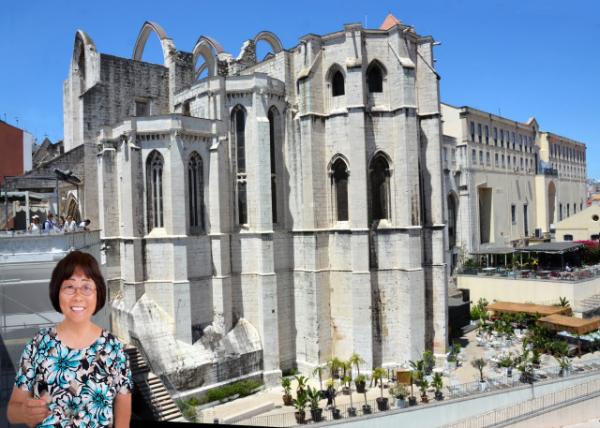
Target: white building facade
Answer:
pixel 264 215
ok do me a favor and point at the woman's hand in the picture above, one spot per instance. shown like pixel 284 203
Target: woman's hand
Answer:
pixel 24 409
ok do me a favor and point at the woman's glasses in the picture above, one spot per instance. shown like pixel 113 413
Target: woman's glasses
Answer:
pixel 86 289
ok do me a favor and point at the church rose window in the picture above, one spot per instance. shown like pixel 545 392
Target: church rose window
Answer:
pixel 154 189
pixel 196 193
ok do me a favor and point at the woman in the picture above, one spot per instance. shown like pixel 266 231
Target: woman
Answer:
pixel 34 227
pixel 75 374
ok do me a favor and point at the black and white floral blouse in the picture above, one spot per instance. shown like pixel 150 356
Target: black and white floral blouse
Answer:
pixel 82 383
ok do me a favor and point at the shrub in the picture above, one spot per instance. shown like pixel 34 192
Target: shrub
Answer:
pixel 243 388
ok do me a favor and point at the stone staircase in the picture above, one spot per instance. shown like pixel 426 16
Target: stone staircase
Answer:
pixel 589 306
pixel 156 400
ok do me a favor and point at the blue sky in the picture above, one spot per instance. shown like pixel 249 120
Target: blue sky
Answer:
pixel 516 58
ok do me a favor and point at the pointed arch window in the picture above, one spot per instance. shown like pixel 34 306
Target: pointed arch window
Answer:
pixel 380 188
pixel 273 117
pixel 239 137
pixel 196 193
pixel 337 84
pixel 339 178
pixel 154 190
pixel 375 78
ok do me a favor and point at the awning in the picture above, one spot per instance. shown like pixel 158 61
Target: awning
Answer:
pixel 570 324
pixel 528 308
pixel 552 248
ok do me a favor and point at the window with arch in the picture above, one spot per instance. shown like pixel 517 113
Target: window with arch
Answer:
pixel 339 181
pixel 154 190
pixel 380 188
pixel 337 84
pixel 196 193
pixel 273 117
pixel 238 120
pixel 375 77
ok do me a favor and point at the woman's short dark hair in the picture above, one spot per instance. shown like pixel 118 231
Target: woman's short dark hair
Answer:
pixel 65 268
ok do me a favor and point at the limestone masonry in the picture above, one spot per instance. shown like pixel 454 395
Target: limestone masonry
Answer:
pixel 261 215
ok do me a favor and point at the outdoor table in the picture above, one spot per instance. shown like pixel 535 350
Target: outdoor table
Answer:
pixel 489 270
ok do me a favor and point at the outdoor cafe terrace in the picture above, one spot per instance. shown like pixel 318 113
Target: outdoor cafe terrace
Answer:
pixel 541 274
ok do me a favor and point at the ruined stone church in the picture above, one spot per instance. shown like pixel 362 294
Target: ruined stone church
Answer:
pixel 260 215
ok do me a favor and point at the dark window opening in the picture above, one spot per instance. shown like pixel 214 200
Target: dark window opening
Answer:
pixel 196 193
pixel 141 108
pixel 380 183
pixel 154 189
pixel 337 84
pixel 375 78
pixel 340 182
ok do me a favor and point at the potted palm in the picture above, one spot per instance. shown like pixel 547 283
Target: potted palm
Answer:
pixel 366 408
pixel 334 365
pixel 347 382
pixel 300 403
pixel 423 385
pixel 318 371
pixel 507 363
pixel 399 393
pixel 378 375
pixel 286 383
pixel 415 377
pixel 314 396
pixel 565 366
pixel 428 362
pixel 361 383
pixel 438 383
pixel 301 384
pixel 356 360
pixel 479 364
pixel 331 391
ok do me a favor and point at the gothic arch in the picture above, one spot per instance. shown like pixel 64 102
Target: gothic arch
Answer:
pixel 82 42
pixel 208 49
pixel 271 39
pixel 334 159
pixel 140 43
pixel 336 79
pixel 376 74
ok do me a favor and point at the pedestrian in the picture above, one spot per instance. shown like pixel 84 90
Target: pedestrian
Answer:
pixel 70 225
pixel 61 224
pixel 84 225
pixel 35 226
pixel 49 223
pixel 75 374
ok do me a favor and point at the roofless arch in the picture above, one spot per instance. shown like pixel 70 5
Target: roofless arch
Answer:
pixel 140 44
pixel 207 48
pixel 271 39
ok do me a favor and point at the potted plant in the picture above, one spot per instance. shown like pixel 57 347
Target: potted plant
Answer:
pixel 378 376
pixel 318 371
pixel 428 362
pixel 366 408
pixel 479 364
pixel 331 391
pixel 334 367
pixel 399 392
pixel 361 383
pixel 356 360
pixel 301 384
pixel 351 410
pixel 536 358
pixel 286 383
pixel 423 385
pixel 565 366
pixel 347 389
pixel 314 396
pixel 507 363
pixel 438 383
pixel 415 376
pixel 300 403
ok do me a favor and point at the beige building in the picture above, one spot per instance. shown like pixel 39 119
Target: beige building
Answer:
pixel 504 179
pixel 584 225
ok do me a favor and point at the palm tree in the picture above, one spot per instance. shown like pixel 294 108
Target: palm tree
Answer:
pixel 318 371
pixel 356 360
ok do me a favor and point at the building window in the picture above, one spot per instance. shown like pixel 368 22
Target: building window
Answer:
pixel 487 158
pixel 502 138
pixel 273 117
pixel 339 179
pixel 513 214
pixel 445 154
pixel 375 77
pixel 479 131
pixel 525 221
pixel 560 212
pixel 472 131
pixel 480 157
pixel 196 193
pixel 508 160
pixel 503 162
pixel 380 188
pixel 141 108
pixel 487 135
pixel 496 161
pixel 567 237
pixel 568 210
pixel 337 84
pixel 185 108
pixel 154 190
pixel 474 156
pixel 495 136
pixel 239 136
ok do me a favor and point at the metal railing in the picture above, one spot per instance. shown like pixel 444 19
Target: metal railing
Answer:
pixel 583 274
pixel 529 408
